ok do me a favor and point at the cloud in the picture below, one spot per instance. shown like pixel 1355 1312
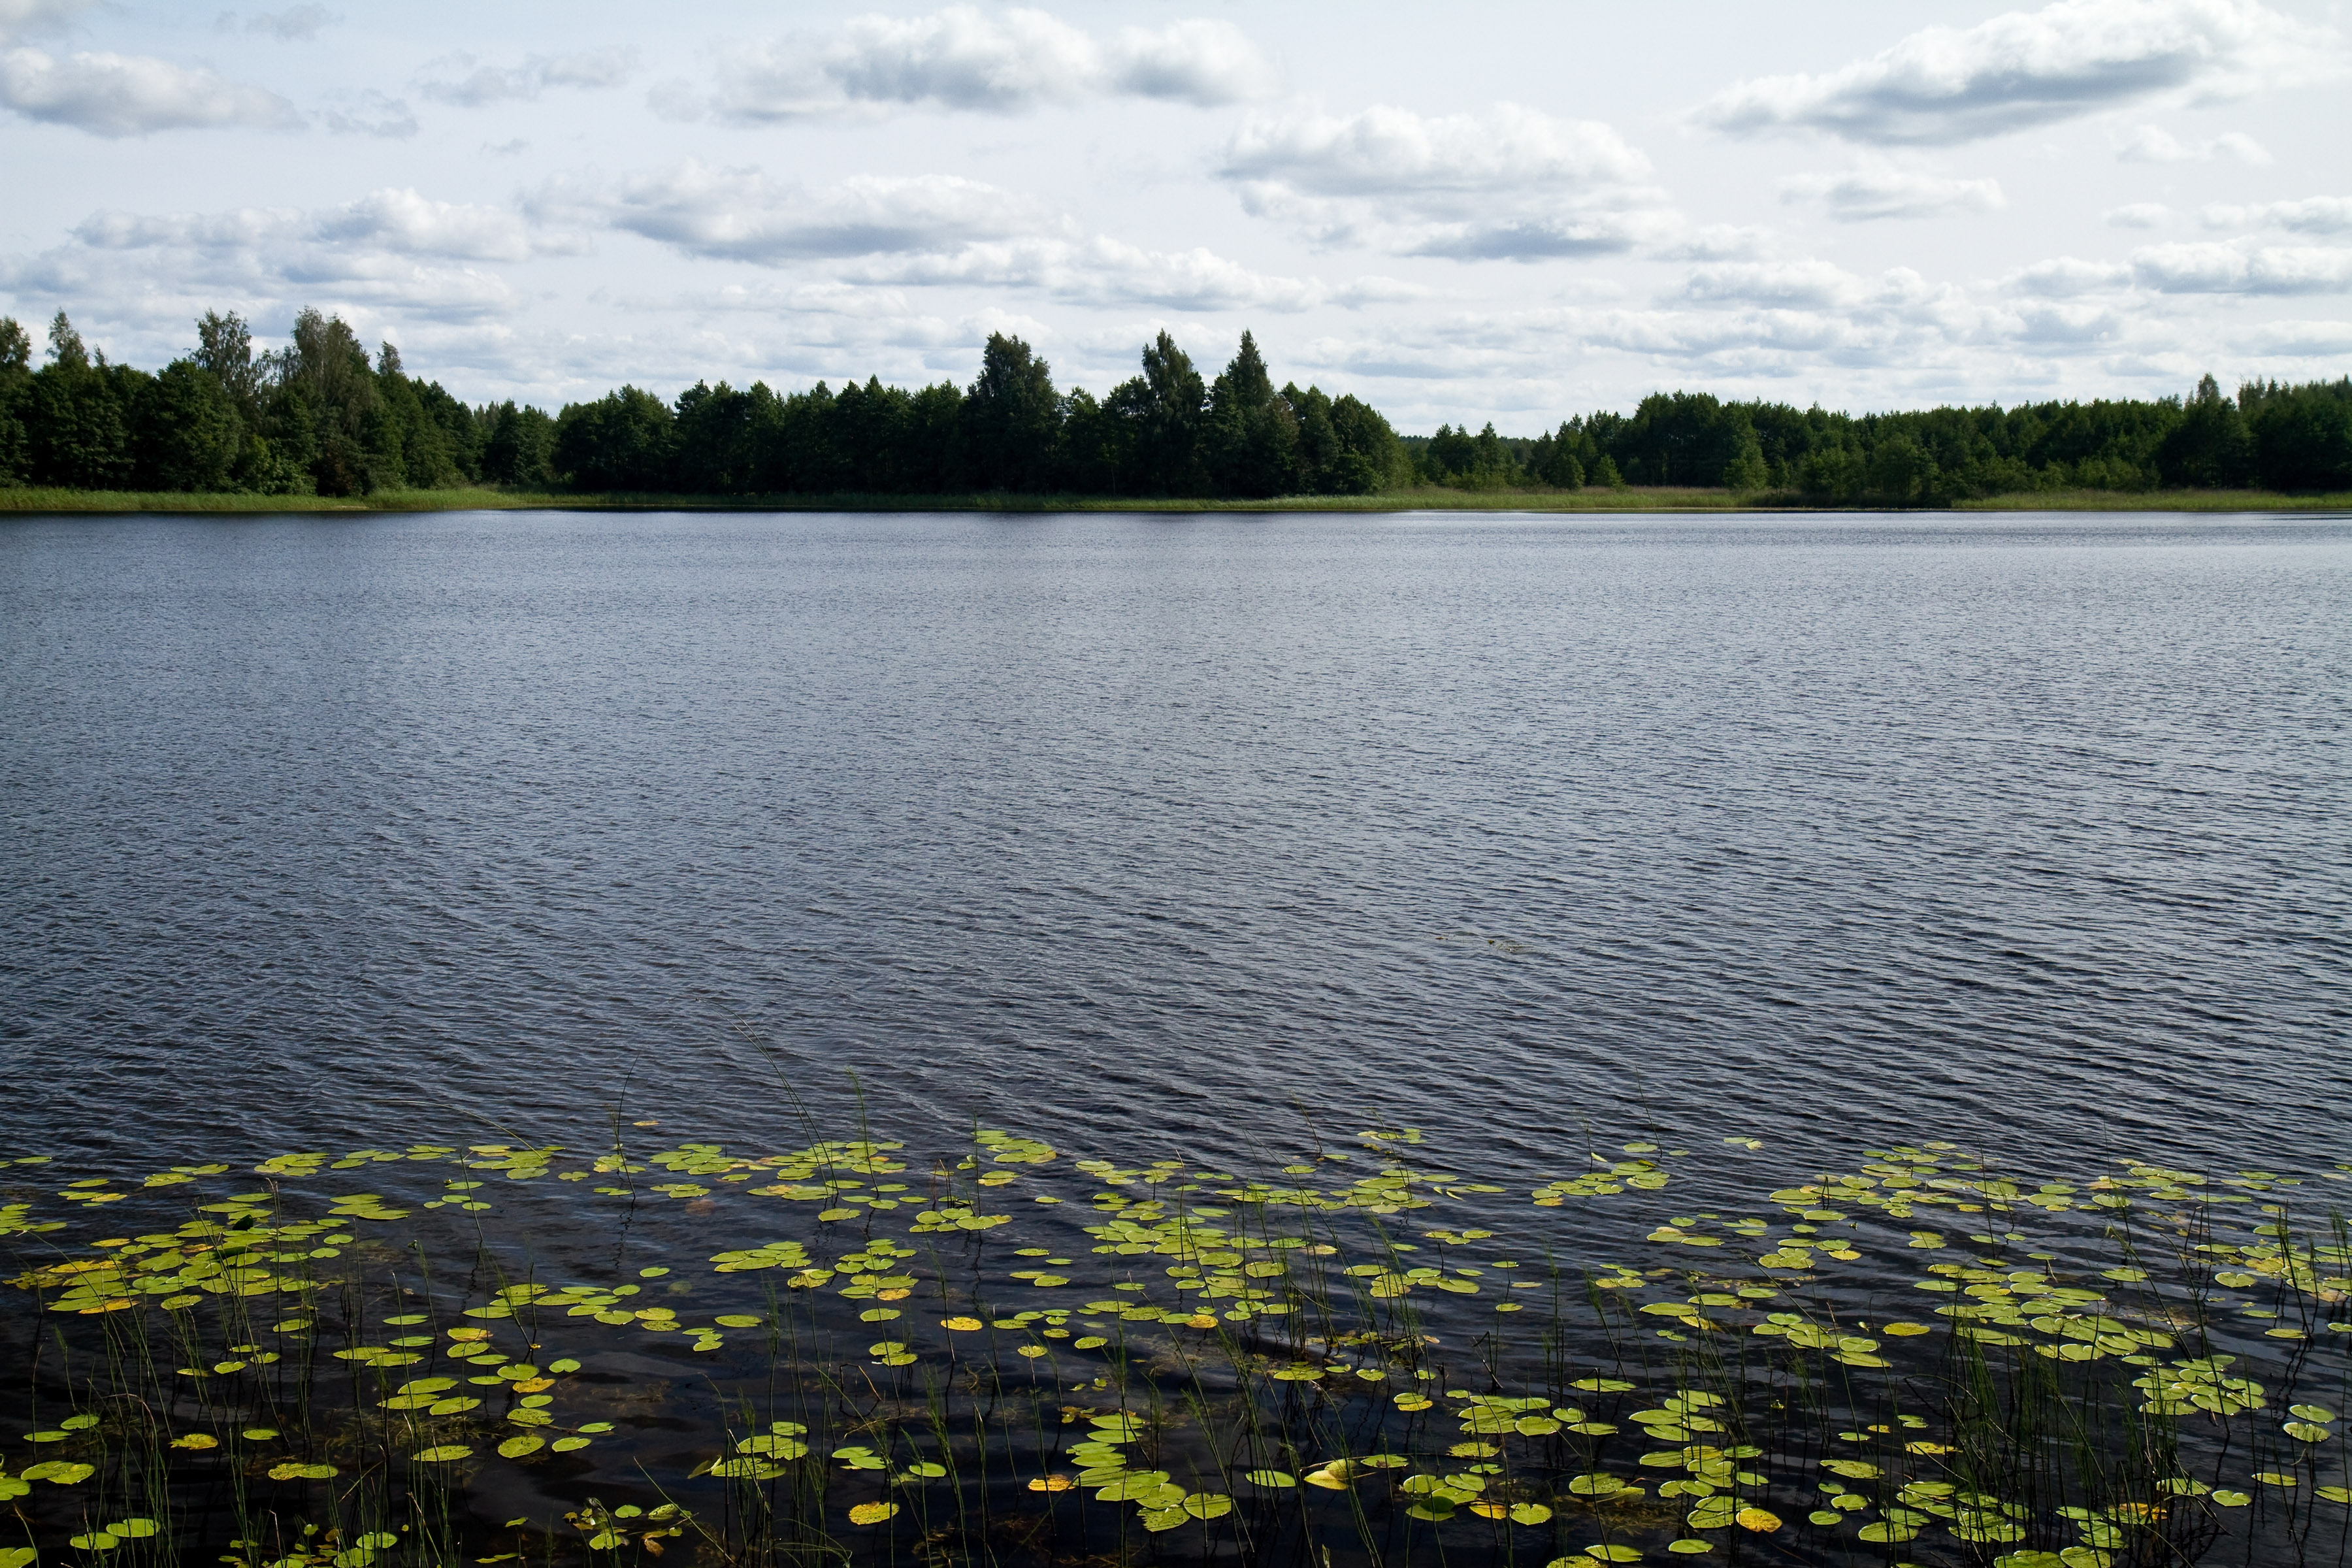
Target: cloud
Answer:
pixel 19 18
pixel 370 114
pixel 1101 270
pixel 1510 184
pixel 1385 152
pixel 1948 85
pixel 482 85
pixel 256 260
pixel 1208 63
pixel 133 95
pixel 2150 144
pixel 742 214
pixel 2138 215
pixel 298 24
pixel 2216 268
pixel 394 253
pixel 961 59
pixel 2299 339
pixel 1817 284
pixel 391 221
pixel 2064 276
pixel 2312 215
pixel 1875 190
pixel 914 231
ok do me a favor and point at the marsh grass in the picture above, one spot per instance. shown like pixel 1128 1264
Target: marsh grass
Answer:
pixel 1595 499
pixel 844 1353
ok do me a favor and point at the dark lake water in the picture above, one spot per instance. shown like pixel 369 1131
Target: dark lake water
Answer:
pixel 1177 832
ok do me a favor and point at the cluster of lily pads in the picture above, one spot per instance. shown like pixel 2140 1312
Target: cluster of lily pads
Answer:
pixel 2122 1366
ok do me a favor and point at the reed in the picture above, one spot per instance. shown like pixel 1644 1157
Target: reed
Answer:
pixel 1001 1355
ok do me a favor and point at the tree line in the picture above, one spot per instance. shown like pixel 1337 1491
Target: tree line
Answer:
pixel 318 416
pixel 2269 436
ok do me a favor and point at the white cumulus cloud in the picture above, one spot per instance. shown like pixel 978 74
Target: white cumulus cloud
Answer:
pixel 742 215
pixel 902 231
pixel 391 252
pixel 392 220
pixel 131 95
pixel 1875 190
pixel 1511 182
pixel 1947 85
pixel 2062 277
pixel 963 58
pixel 2218 268
pixel 2138 215
pixel 2312 215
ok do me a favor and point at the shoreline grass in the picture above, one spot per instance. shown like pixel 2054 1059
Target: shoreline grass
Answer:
pixel 1637 498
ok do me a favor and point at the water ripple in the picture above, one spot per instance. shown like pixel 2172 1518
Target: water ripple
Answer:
pixel 1180 834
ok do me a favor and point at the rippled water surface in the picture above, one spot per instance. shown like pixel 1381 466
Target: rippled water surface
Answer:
pixel 1166 832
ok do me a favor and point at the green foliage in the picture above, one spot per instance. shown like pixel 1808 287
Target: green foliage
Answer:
pixel 1012 417
pixel 16 396
pixel 1252 433
pixel 2303 435
pixel 317 417
pixel 190 435
pixel 79 434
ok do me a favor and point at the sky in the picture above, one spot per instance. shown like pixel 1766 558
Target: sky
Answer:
pixel 1505 212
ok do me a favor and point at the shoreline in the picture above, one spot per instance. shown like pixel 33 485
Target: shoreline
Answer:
pixel 32 501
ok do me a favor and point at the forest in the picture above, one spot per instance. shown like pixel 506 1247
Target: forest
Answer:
pixel 318 416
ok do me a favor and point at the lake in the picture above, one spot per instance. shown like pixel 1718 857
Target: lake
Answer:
pixel 1294 883
pixel 2023 830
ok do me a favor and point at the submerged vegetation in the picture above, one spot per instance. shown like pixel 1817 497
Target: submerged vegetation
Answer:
pixel 317 418
pixel 1001 1353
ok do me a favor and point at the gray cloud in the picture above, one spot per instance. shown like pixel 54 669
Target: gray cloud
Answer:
pixel 1947 85
pixel 2138 215
pixel 1876 190
pixel 479 85
pixel 2300 340
pixel 370 114
pixel 961 59
pixel 20 18
pixel 115 95
pixel 297 23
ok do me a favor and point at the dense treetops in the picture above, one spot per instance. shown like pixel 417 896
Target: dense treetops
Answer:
pixel 316 416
